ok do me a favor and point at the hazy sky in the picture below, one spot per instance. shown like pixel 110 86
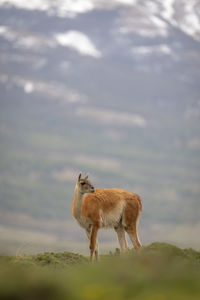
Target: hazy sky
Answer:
pixel 109 87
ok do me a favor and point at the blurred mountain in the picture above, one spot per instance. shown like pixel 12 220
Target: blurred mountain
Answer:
pixel 109 89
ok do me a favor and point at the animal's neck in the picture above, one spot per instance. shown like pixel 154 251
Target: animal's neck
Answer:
pixel 77 202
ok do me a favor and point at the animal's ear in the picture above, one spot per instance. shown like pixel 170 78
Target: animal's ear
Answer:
pixel 79 177
pixel 86 177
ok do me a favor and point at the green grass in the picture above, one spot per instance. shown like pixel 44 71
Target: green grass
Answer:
pixel 158 271
pixel 52 259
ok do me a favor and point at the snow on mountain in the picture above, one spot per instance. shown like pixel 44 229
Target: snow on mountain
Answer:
pixel 148 18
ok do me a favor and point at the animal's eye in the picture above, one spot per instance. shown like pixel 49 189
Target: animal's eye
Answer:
pixel 82 183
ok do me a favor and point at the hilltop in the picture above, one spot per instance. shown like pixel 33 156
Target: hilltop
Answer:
pixel 157 271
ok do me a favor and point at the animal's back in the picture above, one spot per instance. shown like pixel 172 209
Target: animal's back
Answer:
pixel 110 197
pixel 110 205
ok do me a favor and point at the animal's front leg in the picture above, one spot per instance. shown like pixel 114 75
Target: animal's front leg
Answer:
pixel 93 242
pixel 96 252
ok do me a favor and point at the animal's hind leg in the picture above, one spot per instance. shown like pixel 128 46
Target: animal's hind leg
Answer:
pixel 121 238
pixel 130 221
pixel 132 232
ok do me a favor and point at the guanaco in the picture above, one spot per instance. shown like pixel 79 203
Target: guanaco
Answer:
pixel 95 208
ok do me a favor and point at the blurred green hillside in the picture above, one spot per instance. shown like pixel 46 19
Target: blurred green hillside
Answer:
pixel 157 271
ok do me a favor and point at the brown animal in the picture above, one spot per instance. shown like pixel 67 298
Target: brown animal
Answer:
pixel 103 208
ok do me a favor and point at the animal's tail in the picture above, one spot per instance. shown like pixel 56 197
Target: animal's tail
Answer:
pixel 140 203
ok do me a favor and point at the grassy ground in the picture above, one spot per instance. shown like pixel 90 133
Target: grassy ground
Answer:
pixel 158 271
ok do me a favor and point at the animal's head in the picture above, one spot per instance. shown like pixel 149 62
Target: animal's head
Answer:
pixel 84 185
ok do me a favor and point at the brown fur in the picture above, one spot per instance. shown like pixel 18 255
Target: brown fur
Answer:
pixel 107 199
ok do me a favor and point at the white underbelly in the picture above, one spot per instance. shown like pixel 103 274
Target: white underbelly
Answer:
pixel 112 218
